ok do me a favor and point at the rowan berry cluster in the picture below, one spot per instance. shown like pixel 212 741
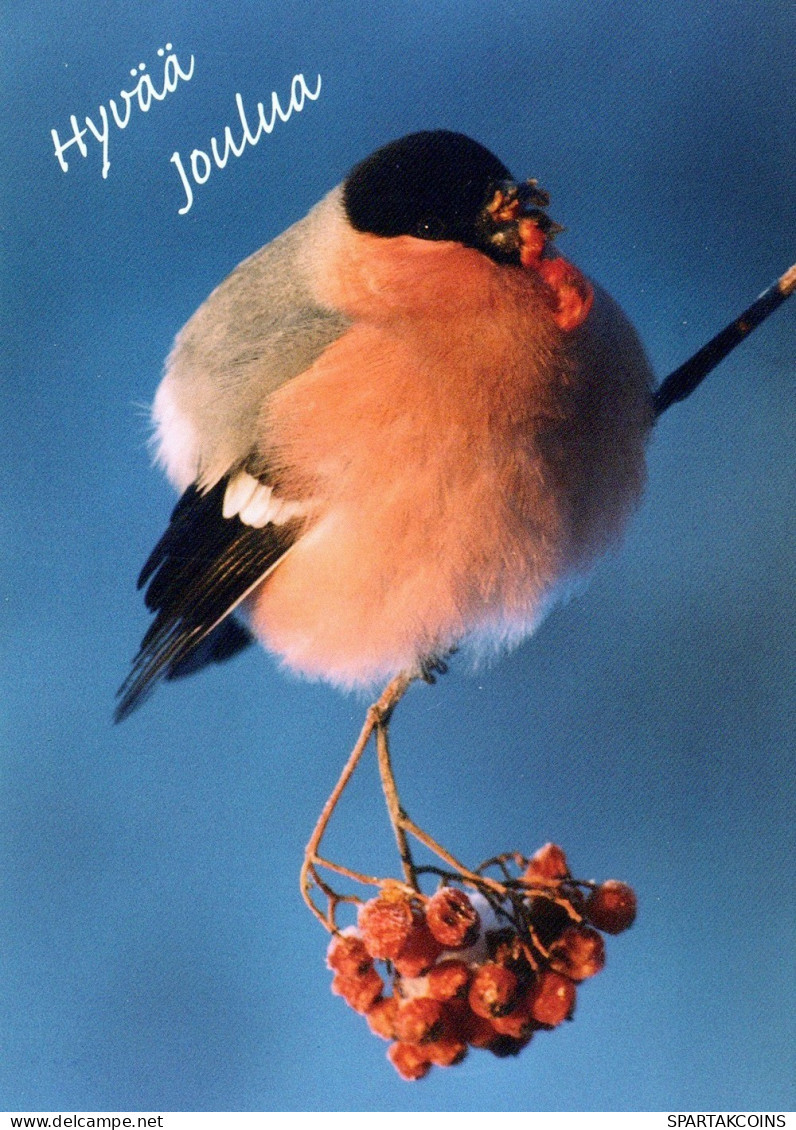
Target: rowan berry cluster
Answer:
pixel 485 967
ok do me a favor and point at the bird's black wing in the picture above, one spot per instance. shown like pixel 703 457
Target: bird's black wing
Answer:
pixel 227 639
pixel 197 574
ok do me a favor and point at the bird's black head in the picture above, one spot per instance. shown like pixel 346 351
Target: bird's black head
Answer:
pixel 439 185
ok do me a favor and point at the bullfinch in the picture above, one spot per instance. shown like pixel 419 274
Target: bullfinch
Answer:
pixel 402 427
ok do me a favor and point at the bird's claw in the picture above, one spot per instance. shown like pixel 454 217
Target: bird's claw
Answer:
pixel 431 668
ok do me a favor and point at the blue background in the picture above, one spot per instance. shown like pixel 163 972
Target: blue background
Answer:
pixel 155 952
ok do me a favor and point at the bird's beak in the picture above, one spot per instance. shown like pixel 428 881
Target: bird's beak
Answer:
pixel 513 226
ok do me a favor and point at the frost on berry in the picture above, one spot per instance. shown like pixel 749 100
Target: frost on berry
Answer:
pixel 448 979
pixel 493 990
pixel 612 907
pixel 488 967
pixel 386 922
pixel 381 1017
pixel 419 951
pixel 359 990
pixel 410 1061
pixel 418 1019
pixel 347 954
pixel 547 866
pixel 452 918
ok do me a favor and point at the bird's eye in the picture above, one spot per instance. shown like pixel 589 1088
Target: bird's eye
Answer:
pixel 430 227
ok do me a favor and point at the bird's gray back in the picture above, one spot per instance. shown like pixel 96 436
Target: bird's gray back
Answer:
pixel 258 329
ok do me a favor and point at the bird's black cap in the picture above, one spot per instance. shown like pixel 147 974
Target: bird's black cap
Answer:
pixel 431 185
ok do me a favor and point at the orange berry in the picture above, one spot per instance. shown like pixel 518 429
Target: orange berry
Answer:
pixel 452 918
pixel 445 1052
pixel 448 979
pixel 386 922
pixel 612 906
pixel 476 1030
pixel 492 990
pixel 548 865
pixel 347 954
pixel 505 946
pixel 410 1061
pixel 419 951
pixel 460 1023
pixel 518 1023
pixel 418 1019
pixel 552 998
pixel 358 990
pixel 381 1017
pixel 572 293
pixel 532 243
pixel 456 1019
pixel 579 953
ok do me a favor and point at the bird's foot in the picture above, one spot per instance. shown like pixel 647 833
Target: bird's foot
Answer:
pixel 431 666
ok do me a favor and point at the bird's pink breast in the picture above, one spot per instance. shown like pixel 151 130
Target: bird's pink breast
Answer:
pixel 422 438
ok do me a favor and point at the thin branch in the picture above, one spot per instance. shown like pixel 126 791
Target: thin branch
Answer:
pixel 377 716
pixel 507 895
pixel 346 872
pixel 479 881
pixel 682 382
pixel 394 809
pixel 308 874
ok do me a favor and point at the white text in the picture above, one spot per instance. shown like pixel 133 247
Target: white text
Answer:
pixel 199 161
pixel 143 93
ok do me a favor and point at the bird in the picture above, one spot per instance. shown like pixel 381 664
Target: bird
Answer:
pixel 404 427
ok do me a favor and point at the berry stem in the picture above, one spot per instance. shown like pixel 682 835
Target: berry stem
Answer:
pixel 377 722
pixel 396 813
pixel 478 881
pixel 377 718
pixel 346 872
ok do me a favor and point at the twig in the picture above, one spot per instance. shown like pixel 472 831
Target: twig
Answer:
pixel 501 893
pixel 378 716
pixel 481 882
pixel 682 382
pixel 396 813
